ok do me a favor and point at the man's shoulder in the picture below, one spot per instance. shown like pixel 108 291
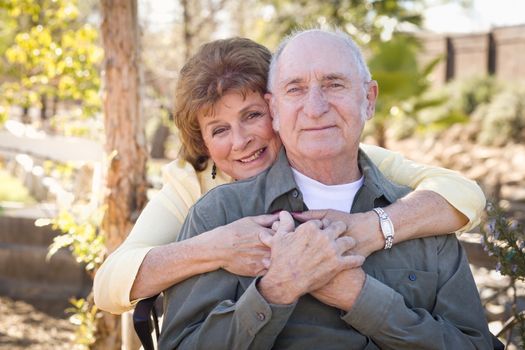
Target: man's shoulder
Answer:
pixel 234 191
pixel 229 202
pixel 392 190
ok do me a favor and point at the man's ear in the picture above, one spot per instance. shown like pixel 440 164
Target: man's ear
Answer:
pixel 268 97
pixel 371 97
pixel 270 100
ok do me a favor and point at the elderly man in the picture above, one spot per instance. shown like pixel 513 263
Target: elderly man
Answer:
pixel 315 295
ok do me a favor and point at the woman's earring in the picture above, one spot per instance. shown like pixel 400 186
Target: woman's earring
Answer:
pixel 213 171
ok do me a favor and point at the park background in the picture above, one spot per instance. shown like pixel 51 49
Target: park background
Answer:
pixel 86 94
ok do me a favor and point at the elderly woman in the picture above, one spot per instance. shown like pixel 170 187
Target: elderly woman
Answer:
pixel 226 132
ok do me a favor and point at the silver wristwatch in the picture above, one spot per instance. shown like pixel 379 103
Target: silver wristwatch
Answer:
pixel 387 227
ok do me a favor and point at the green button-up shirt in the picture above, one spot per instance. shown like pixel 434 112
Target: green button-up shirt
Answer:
pixel 418 295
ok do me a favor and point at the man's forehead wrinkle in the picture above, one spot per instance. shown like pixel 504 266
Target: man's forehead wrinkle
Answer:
pixel 307 53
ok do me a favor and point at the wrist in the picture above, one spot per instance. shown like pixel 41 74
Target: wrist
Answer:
pixel 275 292
pixel 210 250
pixel 365 229
pixel 355 292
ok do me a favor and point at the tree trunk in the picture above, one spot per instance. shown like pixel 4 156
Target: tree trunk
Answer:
pixel 125 139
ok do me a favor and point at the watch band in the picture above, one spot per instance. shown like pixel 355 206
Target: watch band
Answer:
pixel 387 227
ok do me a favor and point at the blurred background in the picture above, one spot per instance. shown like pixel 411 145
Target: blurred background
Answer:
pixel 452 93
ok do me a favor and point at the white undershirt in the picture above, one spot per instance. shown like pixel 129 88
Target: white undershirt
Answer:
pixel 320 196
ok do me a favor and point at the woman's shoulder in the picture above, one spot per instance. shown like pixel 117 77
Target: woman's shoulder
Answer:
pixel 182 175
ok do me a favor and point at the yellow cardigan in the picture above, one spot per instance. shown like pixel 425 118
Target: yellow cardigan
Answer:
pixel 162 218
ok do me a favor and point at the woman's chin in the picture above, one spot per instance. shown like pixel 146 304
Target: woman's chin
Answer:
pixel 246 170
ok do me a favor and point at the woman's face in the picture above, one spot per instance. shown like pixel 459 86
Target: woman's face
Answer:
pixel 239 135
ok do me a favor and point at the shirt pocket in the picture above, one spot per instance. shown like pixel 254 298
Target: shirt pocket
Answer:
pixel 417 287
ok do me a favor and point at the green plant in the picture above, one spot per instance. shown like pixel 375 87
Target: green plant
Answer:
pixel 504 239
pixel 81 236
pixel 503 119
pixel 83 316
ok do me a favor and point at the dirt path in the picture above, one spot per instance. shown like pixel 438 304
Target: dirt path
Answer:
pixel 39 327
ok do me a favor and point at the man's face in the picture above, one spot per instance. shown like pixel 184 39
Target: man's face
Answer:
pixel 320 102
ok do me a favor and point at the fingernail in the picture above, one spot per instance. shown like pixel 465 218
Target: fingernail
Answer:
pixel 266 262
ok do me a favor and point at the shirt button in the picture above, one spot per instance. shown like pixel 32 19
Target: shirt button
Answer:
pixel 295 193
pixel 261 316
pixel 412 277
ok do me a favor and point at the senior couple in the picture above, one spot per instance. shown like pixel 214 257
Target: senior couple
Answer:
pixel 254 266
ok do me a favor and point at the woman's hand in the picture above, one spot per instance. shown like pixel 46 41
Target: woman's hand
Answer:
pixel 363 227
pixel 240 250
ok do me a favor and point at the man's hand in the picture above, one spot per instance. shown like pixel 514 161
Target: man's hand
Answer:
pixel 342 290
pixel 363 227
pixel 305 259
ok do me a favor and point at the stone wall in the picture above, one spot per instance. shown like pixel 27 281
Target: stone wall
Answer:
pixel 500 52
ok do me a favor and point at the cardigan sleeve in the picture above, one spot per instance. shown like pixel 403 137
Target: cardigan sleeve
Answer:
pixel 463 194
pixel 158 224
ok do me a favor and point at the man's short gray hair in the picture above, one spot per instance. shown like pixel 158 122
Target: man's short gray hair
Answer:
pixel 362 67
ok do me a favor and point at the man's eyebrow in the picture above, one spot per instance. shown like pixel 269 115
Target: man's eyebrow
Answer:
pixel 335 76
pixel 327 77
pixel 291 81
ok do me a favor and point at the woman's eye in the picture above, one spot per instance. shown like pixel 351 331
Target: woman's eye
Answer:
pixel 218 131
pixel 253 115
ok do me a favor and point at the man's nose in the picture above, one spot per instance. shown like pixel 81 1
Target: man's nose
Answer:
pixel 315 104
pixel 241 138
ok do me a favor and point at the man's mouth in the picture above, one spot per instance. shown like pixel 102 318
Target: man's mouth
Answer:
pixel 319 128
pixel 253 157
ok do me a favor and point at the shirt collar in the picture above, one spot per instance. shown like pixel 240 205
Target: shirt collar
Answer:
pixel 279 180
pixel 377 190
pixel 376 186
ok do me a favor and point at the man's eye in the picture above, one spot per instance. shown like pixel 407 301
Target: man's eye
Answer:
pixel 293 90
pixel 335 85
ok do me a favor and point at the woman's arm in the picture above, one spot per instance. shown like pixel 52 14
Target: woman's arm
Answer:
pixel 150 260
pixel 443 202
pixel 235 247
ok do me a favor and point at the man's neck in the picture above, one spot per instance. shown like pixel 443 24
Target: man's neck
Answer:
pixel 331 171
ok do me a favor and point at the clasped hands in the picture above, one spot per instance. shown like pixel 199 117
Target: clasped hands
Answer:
pixel 316 258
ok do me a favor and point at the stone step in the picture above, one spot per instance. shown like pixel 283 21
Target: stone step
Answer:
pixel 31 292
pixel 29 263
pixel 22 230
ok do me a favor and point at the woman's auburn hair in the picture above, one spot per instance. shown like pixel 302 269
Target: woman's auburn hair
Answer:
pixel 219 67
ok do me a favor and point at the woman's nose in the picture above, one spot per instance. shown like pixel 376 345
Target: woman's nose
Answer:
pixel 241 138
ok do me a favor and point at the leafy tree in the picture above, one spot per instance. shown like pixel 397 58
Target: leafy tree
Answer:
pixel 52 56
pixel 402 87
pixel 368 21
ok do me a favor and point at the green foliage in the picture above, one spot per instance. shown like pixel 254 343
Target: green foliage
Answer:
pixel 84 317
pixel 402 88
pixel 504 239
pixel 503 119
pixel 51 55
pixel 476 91
pixel 459 100
pixel 12 189
pixel 367 21
pixel 81 236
